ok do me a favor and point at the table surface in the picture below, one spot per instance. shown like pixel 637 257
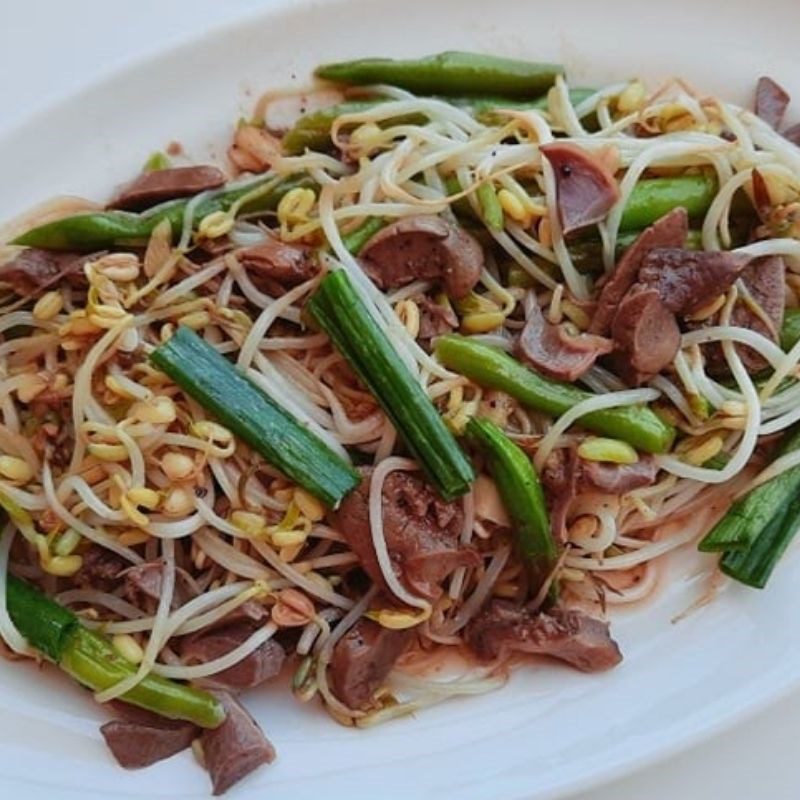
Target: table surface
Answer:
pixel 87 37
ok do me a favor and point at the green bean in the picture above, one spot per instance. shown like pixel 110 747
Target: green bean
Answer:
pixel 461 207
pixel 587 254
pixel 638 425
pixel 651 198
pixel 96 230
pixel 491 210
pixel 313 131
pixel 356 239
pixel 790 330
pixel 484 109
pixel 99 230
pixel 156 161
pixel 522 496
pixel 694 240
pixel 717 462
pixel 452 72
pixel 89 658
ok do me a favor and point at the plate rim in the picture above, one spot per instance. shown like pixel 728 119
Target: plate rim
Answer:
pixel 755 698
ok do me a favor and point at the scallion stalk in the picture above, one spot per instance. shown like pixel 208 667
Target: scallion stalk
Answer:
pixel 256 418
pixel 750 515
pixel 342 314
pixel 90 658
pixel 754 565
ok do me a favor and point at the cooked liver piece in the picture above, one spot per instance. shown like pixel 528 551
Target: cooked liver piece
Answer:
pixel 435 319
pixel 362 660
pixel 585 189
pixel 421 532
pixel 687 280
pixel 565 634
pixel 140 738
pixel 646 335
pixel 772 100
pixel 152 188
pixel 101 568
pixel 560 480
pixel 765 279
pixel 261 665
pixel 237 747
pixel 285 263
pixel 793 134
pixel 669 231
pixel 32 270
pixel 554 352
pixel 424 247
pixel 619 478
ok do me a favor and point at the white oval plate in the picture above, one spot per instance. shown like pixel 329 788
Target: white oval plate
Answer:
pixel 551 730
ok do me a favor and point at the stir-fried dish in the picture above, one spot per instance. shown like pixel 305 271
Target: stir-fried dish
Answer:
pixel 432 372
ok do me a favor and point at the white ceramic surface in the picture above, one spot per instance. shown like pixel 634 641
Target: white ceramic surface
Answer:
pixel 551 730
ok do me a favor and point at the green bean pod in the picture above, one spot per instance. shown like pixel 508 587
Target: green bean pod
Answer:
pixel 651 198
pixel 491 210
pixel 100 230
pixel 522 495
pixel 492 368
pixel 790 330
pixel 452 72
pixel 486 109
pixel 356 239
pixel 313 131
